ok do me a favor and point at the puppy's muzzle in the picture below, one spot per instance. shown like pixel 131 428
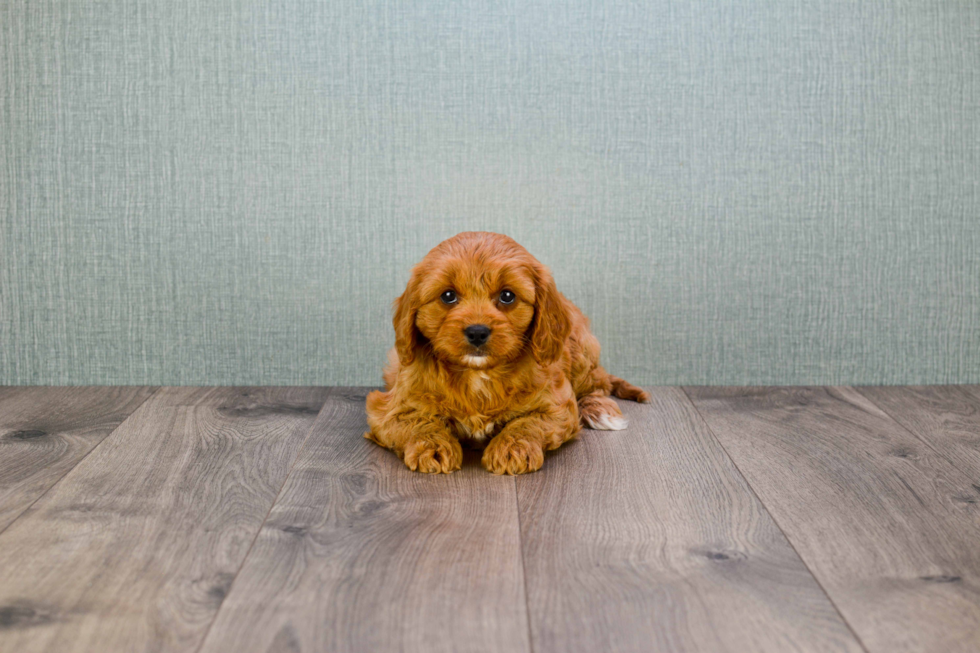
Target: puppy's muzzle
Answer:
pixel 477 334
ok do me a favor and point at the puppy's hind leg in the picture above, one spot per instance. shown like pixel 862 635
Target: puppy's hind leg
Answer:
pixel 598 411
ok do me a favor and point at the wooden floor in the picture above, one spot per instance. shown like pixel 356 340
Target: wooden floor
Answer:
pixel 259 519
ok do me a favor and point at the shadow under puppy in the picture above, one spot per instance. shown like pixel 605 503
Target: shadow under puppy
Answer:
pixel 488 352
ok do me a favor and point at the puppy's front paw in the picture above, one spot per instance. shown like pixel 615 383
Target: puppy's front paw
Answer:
pixel 433 455
pixel 510 455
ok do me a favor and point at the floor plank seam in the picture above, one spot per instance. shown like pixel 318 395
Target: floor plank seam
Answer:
pixel 520 539
pixel 79 461
pixel 258 531
pixel 823 589
pixel 951 460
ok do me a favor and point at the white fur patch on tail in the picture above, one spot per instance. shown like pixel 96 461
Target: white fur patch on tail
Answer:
pixel 605 422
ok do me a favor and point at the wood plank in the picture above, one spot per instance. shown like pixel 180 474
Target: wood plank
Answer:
pixel 361 554
pixel 649 539
pixel 135 548
pixel 873 511
pixel 947 418
pixel 45 431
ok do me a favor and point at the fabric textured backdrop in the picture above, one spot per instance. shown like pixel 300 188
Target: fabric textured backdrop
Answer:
pixel 232 192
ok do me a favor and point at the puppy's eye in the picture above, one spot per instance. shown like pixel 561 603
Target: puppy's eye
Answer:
pixel 507 297
pixel 449 297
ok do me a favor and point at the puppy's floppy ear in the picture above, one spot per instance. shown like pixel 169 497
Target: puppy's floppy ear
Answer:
pixel 552 323
pixel 406 333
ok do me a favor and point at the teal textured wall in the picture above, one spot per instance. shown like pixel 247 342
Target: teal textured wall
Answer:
pixel 218 192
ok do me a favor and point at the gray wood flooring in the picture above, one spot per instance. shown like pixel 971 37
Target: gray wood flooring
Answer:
pixel 258 519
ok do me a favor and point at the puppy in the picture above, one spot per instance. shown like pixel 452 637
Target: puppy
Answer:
pixel 489 353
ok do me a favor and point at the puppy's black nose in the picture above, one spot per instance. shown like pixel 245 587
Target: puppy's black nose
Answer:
pixel 477 334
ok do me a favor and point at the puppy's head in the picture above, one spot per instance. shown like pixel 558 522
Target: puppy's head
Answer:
pixel 477 300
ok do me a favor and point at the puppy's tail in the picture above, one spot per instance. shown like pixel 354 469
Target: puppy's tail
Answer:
pixel 626 390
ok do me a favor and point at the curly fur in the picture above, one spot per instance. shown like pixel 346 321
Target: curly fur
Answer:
pixel 529 389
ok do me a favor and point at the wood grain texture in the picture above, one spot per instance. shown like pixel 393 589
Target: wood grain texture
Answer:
pixel 136 547
pixel 648 539
pixel 947 418
pixel 361 554
pixel 44 432
pixel 876 514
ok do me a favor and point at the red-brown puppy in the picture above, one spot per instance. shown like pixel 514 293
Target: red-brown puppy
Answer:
pixel 487 349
